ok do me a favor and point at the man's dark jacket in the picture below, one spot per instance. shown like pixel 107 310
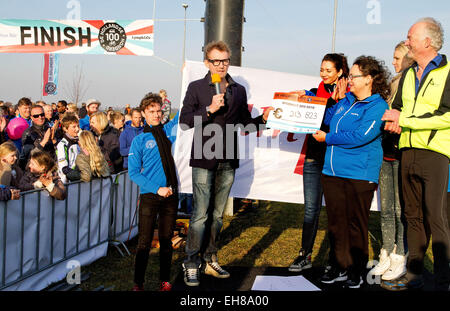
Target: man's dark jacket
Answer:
pixel 31 138
pixel 235 111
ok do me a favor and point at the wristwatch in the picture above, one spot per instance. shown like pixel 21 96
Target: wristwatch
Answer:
pixel 208 111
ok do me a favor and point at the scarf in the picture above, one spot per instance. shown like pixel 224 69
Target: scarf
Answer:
pixel 164 147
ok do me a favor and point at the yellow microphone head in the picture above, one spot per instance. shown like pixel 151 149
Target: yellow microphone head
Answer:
pixel 215 78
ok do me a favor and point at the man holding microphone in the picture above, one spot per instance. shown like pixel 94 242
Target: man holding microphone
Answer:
pixel 211 104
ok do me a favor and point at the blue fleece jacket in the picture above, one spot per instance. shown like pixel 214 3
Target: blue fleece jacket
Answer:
pixel 354 141
pixel 125 139
pixel 144 162
pixel 84 123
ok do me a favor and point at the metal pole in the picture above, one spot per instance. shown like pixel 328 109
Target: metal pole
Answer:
pixel 333 45
pixel 185 6
pixel 224 21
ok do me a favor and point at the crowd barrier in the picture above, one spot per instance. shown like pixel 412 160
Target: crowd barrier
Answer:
pixel 40 236
pixel 124 210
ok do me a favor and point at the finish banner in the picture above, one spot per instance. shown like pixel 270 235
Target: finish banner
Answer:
pixel 51 68
pixel 120 37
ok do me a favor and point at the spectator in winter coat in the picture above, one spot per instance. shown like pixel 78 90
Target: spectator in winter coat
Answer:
pixel 129 133
pixel 10 172
pixel 108 140
pixel 41 174
pixel 166 106
pixel 92 106
pixel 23 111
pixel 90 161
pixel 68 149
pixel 39 136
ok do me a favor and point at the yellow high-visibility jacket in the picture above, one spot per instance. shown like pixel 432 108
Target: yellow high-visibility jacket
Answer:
pixel 425 118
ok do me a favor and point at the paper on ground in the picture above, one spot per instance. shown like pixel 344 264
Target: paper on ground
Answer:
pixel 283 283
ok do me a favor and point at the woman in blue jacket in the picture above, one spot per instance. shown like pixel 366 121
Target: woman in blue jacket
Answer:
pixel 352 166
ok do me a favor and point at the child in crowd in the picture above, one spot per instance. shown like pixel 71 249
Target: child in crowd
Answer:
pixel 10 172
pixel 68 149
pixel 90 161
pixel 41 173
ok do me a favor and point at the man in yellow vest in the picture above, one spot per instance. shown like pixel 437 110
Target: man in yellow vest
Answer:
pixel 421 113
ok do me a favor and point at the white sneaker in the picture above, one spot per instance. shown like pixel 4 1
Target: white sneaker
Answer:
pixel 383 265
pixel 397 268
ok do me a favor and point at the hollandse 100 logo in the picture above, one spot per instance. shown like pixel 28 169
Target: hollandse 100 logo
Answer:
pixel 112 37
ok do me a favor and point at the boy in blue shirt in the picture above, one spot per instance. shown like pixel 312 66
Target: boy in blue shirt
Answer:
pixel 152 168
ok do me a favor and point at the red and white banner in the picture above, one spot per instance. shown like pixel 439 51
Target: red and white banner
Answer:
pixel 50 78
pixel 112 37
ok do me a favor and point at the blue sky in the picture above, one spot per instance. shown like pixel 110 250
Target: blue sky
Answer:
pixel 285 35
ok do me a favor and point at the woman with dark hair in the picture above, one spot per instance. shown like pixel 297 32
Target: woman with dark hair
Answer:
pixel 334 68
pixel 352 166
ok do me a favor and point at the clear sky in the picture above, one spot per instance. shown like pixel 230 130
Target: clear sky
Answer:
pixel 283 35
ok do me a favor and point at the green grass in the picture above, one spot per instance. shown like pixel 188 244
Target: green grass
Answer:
pixel 267 235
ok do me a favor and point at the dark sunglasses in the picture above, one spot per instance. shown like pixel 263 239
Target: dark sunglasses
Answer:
pixel 38 115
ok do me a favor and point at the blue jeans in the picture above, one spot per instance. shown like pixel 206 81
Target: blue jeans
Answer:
pixel 312 190
pixel 211 189
pixel 392 224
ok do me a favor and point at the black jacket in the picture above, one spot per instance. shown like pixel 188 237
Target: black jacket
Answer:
pixel 31 138
pixel 110 146
pixel 5 193
pixel 198 96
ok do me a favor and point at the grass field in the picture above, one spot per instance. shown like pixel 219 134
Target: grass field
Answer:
pixel 267 235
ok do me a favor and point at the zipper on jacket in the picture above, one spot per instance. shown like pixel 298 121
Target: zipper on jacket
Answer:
pixel 337 126
pixel 429 82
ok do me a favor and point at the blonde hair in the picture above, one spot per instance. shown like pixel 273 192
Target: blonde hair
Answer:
pixel 73 107
pixel 116 115
pixel 5 149
pixel 402 48
pixel 102 120
pixel 96 159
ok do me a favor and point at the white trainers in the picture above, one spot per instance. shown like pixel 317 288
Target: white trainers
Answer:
pixel 383 265
pixel 396 269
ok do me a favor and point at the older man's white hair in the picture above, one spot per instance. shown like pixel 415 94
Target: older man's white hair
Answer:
pixel 434 31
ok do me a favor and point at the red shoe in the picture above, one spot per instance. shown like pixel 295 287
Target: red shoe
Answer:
pixel 165 287
pixel 138 288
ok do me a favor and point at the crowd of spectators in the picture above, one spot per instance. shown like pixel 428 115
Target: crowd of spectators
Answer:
pixel 49 145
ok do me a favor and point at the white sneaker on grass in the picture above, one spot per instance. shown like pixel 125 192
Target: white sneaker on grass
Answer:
pixel 383 265
pixel 396 269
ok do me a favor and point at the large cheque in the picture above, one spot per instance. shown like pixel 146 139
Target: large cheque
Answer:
pixel 296 114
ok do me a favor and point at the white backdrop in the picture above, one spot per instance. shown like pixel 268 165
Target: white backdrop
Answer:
pixel 267 164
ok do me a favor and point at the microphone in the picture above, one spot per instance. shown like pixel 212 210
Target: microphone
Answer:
pixel 215 79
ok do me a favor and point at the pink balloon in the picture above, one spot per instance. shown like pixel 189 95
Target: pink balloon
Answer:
pixel 16 127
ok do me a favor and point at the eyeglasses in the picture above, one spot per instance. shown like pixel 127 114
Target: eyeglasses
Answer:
pixel 38 115
pixel 216 62
pixel 351 77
